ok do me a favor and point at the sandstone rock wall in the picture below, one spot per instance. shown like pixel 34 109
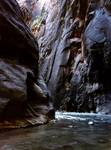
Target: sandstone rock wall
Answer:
pixel 76 66
pixel 60 43
pixel 22 100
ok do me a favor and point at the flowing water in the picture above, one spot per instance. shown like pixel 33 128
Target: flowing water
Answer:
pixel 70 131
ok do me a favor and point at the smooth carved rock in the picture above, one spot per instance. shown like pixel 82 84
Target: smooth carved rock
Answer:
pixel 98 54
pixel 16 40
pixel 60 43
pixel 91 80
pixel 79 81
pixel 21 104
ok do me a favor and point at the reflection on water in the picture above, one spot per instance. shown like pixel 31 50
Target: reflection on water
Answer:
pixel 70 131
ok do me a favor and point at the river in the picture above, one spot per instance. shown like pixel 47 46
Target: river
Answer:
pixel 69 131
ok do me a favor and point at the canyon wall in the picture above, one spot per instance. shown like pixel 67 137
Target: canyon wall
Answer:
pixel 24 98
pixel 75 55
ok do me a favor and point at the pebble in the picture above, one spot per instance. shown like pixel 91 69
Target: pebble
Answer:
pixel 91 123
pixel 70 126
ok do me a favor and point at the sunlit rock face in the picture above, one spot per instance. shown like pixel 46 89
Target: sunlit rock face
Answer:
pixel 27 3
pixel 27 8
pixel 76 75
pixel 24 98
pixel 32 8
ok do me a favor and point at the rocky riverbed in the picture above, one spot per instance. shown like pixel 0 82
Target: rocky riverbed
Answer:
pixel 69 131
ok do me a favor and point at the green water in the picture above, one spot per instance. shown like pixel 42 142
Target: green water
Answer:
pixel 68 132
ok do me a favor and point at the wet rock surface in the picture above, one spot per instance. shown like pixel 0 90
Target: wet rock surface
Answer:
pixel 70 131
pixel 22 101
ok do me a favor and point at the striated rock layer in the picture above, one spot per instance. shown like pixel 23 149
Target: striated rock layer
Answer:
pixel 24 98
pixel 76 72
pixel 59 44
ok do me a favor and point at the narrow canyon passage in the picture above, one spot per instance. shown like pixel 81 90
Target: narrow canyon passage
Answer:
pixel 74 46
pixel 69 131
pixel 55 72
